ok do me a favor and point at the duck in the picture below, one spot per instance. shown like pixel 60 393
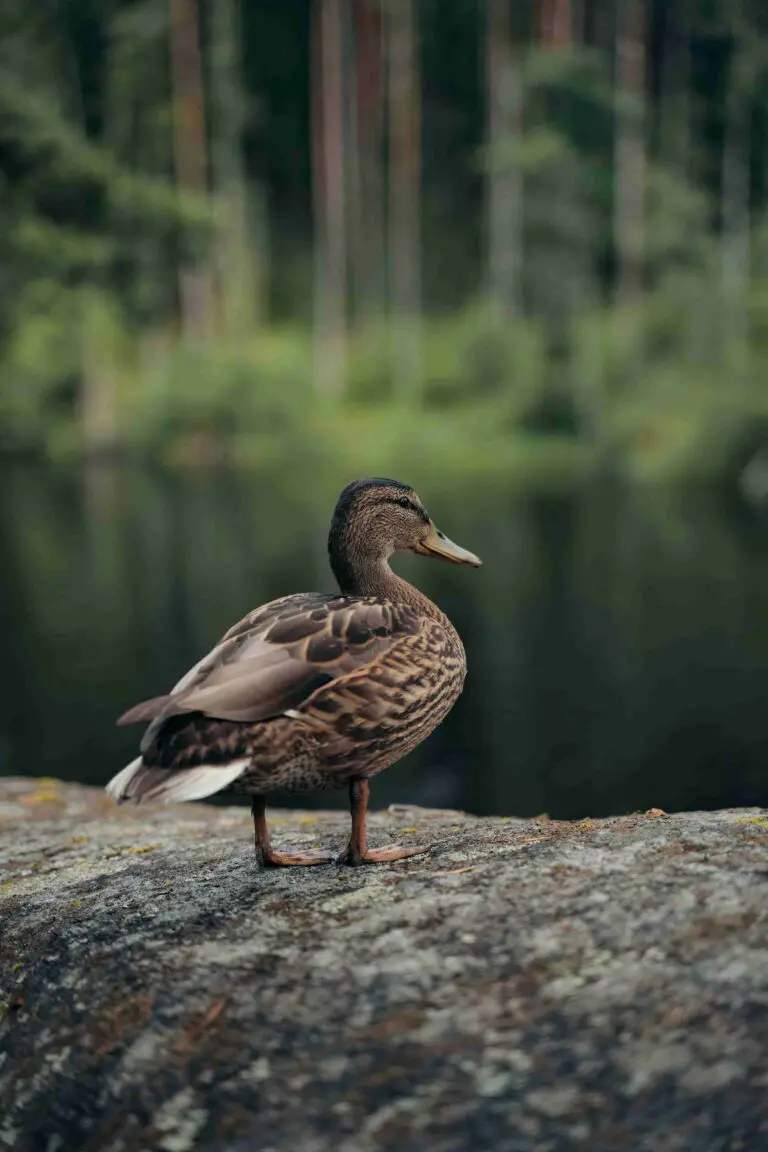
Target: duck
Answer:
pixel 314 691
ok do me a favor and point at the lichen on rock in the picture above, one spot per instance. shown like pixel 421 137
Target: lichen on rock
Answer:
pixel 527 985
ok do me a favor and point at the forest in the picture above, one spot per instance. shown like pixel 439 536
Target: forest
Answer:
pixel 537 232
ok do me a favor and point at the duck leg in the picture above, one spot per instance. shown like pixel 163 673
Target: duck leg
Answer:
pixel 356 852
pixel 265 853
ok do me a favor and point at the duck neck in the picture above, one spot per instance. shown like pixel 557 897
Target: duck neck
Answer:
pixel 378 579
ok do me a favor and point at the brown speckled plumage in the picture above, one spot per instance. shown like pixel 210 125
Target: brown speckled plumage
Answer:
pixel 314 691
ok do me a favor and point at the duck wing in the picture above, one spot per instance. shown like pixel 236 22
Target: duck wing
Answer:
pixel 279 655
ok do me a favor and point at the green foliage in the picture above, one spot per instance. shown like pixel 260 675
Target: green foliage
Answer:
pixel 42 359
pixel 99 244
pixel 253 398
pixel 487 359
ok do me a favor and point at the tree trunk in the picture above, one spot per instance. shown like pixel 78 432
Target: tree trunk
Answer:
pixel 404 201
pixel 735 241
pixel 675 104
pixel 237 263
pixel 330 295
pixel 505 189
pixel 195 282
pixel 630 159
pixel 366 218
pixel 555 23
pixel 100 318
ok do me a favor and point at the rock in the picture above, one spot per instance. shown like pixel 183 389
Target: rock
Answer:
pixel 528 985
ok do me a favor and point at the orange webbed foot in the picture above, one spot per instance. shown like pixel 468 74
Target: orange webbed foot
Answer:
pixel 355 859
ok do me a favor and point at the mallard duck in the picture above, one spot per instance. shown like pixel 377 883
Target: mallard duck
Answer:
pixel 316 690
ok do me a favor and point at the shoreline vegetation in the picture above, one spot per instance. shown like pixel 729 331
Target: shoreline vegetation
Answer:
pixel 491 401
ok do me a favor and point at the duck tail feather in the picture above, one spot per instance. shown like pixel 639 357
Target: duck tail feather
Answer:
pixel 149 710
pixel 142 784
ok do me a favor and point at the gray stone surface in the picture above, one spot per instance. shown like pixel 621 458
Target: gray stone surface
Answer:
pixel 529 985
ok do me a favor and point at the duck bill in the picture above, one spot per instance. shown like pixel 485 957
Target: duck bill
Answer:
pixel 438 545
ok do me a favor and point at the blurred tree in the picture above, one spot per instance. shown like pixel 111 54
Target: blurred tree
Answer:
pixel 673 106
pixel 630 158
pixel 404 236
pixel 744 65
pixel 328 94
pixel 196 290
pixel 367 220
pixel 241 232
pixel 505 189
pixel 555 22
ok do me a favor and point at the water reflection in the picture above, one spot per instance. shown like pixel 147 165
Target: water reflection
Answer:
pixel 618 649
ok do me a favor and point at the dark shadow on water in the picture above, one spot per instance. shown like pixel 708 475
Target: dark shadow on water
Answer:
pixel 618 648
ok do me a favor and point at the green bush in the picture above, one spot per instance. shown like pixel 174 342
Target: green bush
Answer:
pixel 259 389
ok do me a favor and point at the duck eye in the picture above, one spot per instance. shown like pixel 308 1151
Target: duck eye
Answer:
pixel 404 502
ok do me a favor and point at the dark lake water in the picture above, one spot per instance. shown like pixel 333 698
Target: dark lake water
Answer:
pixel 617 647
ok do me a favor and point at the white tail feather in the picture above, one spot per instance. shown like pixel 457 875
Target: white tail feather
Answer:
pixel 118 784
pixel 173 786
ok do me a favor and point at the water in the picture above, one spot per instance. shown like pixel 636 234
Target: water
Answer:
pixel 618 648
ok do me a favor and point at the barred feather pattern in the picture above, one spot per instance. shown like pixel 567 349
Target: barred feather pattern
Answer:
pixel 381 676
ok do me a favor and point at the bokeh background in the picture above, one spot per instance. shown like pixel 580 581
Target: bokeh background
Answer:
pixel 515 254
